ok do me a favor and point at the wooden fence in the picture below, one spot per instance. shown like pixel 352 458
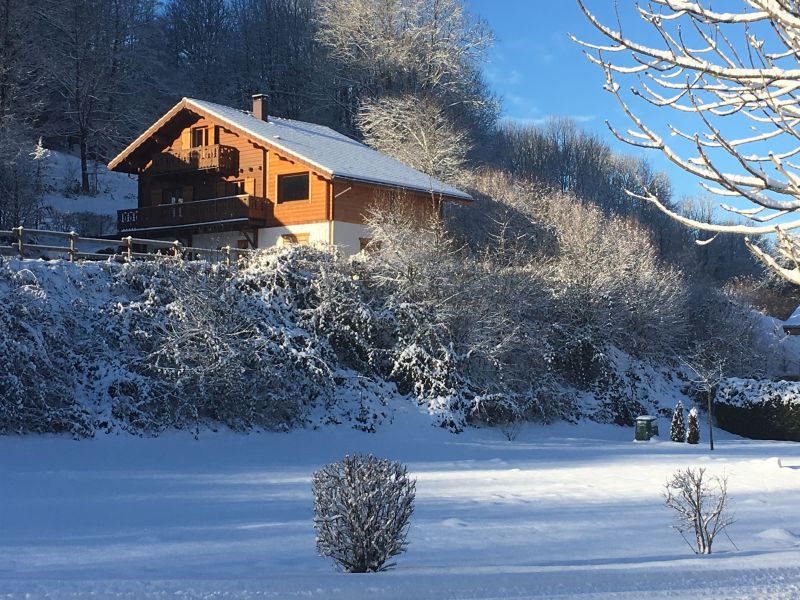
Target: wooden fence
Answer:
pixel 29 243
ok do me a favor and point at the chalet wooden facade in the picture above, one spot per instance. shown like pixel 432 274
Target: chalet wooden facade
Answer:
pixel 210 175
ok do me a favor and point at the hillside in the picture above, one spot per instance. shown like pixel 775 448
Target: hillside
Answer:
pixel 65 207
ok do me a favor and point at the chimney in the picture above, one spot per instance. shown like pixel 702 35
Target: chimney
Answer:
pixel 260 107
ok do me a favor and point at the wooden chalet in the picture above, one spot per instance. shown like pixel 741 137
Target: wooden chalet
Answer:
pixel 211 175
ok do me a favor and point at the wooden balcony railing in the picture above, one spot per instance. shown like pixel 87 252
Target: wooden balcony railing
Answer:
pixel 217 211
pixel 220 158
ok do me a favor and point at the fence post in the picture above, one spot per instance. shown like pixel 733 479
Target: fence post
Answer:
pixel 226 250
pixel 20 244
pixel 73 237
pixel 129 248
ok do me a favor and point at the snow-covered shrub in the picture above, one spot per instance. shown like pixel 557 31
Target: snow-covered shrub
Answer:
pixel 700 510
pixel 616 395
pixel 606 280
pixel 677 430
pixel 224 345
pixel 39 367
pixel 693 431
pixel 362 509
pixel 760 409
pixel 543 405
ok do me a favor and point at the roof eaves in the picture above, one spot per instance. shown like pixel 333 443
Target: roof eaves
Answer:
pixel 146 134
pixel 461 195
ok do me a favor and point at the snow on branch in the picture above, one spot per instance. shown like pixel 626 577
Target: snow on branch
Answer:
pixel 728 71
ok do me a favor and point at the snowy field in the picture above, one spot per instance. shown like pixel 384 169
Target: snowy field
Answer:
pixel 561 512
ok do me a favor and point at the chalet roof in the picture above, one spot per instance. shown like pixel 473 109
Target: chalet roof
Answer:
pixel 331 152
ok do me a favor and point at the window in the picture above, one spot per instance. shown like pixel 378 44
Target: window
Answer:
pixel 173 196
pixel 292 187
pixel 199 136
pixel 234 188
pixel 289 239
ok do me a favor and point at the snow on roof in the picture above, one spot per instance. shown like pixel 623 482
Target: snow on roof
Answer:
pixel 322 147
pixel 794 319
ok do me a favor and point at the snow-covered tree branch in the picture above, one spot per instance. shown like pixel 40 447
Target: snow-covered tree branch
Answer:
pixel 732 80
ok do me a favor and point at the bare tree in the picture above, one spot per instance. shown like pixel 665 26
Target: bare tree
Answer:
pixel 395 47
pixel 199 31
pixel 700 510
pixel 724 71
pixel 274 51
pixel 20 179
pixel 20 78
pixel 91 64
pixel 417 132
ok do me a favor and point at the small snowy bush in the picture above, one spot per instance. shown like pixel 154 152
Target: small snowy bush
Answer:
pixel 701 511
pixel 362 508
pixel 677 431
pixel 693 432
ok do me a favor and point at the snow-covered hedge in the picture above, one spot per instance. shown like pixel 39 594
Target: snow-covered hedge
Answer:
pixel 300 335
pixel 158 344
pixel 294 335
pixel 759 409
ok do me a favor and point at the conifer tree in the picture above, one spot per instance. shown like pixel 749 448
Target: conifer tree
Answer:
pixel 693 435
pixel 677 432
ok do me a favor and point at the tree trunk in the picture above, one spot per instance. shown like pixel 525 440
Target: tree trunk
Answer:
pixel 710 393
pixel 84 166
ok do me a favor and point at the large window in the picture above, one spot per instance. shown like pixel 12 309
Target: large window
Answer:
pixel 293 187
pixel 199 137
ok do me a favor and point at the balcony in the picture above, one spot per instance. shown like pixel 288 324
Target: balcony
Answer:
pixel 218 214
pixel 223 159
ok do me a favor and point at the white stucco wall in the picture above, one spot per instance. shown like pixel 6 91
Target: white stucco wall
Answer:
pixel 346 236
pixel 271 236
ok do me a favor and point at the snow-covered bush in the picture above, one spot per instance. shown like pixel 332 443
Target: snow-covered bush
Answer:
pixel 760 409
pixel 701 510
pixel 693 431
pixel 677 430
pixel 362 509
pixel 168 343
pixel 224 344
pixel 37 364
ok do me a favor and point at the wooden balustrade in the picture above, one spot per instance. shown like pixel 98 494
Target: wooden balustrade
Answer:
pixel 230 209
pixel 220 158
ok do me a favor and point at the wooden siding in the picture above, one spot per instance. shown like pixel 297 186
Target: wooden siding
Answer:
pixel 258 171
pixel 352 201
pixel 312 210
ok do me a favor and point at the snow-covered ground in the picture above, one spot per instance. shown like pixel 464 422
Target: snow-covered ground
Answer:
pixel 62 175
pixel 565 511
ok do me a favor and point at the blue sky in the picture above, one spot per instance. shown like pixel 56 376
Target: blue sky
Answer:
pixel 540 72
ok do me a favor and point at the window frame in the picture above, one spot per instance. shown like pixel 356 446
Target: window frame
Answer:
pixel 203 130
pixel 282 177
pixel 296 239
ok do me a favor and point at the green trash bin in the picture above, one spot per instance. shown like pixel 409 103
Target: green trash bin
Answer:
pixel 646 428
